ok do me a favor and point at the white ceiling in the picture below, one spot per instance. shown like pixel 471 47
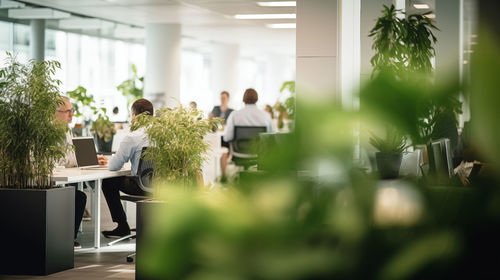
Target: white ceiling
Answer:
pixel 205 20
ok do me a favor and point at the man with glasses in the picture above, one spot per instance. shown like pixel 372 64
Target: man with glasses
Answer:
pixel 65 113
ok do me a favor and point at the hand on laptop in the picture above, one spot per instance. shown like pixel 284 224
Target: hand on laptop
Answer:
pixel 102 160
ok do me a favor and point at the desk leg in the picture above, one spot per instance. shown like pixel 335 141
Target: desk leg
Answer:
pixel 80 188
pixel 96 213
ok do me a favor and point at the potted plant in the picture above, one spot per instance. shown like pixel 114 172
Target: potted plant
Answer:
pixel 390 152
pixel 103 130
pixel 286 108
pixel 177 148
pixel 37 219
pixel 403 46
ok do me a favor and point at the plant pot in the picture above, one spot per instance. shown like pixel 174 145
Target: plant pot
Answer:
pixel 37 230
pixel 388 164
pixel 103 146
pixel 145 210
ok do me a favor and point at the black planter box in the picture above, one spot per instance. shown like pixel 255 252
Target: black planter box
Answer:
pixel 37 229
pixel 145 210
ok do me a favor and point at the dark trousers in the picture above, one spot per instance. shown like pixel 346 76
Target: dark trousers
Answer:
pixel 111 188
pixel 80 201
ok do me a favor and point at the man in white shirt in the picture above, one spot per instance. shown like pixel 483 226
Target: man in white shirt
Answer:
pixel 65 114
pixel 248 116
pixel 130 149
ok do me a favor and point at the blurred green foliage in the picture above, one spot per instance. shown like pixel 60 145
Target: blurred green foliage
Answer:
pixel 296 221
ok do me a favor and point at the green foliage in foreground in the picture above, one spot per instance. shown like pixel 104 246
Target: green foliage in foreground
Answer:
pixel 177 148
pixel 316 216
pixel 31 138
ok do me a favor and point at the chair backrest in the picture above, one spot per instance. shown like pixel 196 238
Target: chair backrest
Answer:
pixel 145 173
pixel 242 141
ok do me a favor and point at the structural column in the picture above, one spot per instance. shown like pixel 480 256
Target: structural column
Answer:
pixel 448 46
pixel 163 64
pixel 37 39
pixel 225 71
pixel 317 58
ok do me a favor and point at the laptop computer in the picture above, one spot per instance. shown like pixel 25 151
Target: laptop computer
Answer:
pixel 86 155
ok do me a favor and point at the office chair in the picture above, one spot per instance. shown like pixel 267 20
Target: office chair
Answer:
pixel 241 145
pixel 143 179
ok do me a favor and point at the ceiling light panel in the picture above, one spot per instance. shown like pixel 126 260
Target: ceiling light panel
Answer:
pixel 282 25
pixel 421 6
pixel 266 16
pixel 278 4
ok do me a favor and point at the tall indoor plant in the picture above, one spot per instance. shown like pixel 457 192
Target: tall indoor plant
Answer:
pixel 37 219
pixel 404 48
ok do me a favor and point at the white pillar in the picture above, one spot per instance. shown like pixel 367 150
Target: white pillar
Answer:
pixel 225 72
pixel 448 46
pixel 350 52
pixel 277 71
pixel 317 58
pixel 163 64
pixel 37 39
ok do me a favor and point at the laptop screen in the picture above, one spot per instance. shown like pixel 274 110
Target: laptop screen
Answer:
pixel 85 151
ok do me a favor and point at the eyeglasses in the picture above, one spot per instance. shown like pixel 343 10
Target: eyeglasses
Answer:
pixel 70 111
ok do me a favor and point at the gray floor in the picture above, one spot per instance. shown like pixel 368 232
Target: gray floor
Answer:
pixel 108 262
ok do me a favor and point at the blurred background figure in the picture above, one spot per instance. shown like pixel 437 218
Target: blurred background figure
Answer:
pixel 193 105
pixel 115 116
pixel 269 109
pixel 223 111
pixel 250 115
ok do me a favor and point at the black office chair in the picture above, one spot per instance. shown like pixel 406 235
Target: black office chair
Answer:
pixel 241 145
pixel 143 179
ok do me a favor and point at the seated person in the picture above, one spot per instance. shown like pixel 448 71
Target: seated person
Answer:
pixel 223 111
pixel 248 116
pixel 65 114
pixel 130 150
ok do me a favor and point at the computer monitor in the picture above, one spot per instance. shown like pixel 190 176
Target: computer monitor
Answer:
pixel 440 157
pixel 85 152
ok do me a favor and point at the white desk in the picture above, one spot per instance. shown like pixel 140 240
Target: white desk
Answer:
pixel 77 175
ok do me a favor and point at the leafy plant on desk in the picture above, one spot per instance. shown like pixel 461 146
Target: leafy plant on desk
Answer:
pixel 286 109
pixel 393 143
pixel 103 127
pixel 177 148
pixel 31 138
